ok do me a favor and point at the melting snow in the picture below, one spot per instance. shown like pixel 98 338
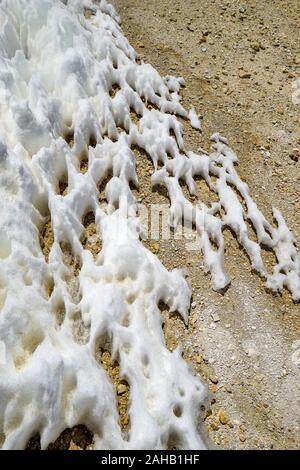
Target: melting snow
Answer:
pixel 74 103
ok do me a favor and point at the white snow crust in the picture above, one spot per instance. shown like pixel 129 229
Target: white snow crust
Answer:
pixel 69 83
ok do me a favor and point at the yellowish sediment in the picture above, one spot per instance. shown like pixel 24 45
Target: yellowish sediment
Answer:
pixel 121 386
pixel 47 239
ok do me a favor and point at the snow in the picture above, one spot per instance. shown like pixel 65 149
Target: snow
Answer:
pixel 59 63
pixel 194 119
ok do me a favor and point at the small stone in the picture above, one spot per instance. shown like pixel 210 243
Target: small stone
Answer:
pixel 215 317
pixel 243 74
pixel 193 305
pixel 199 359
pixel 295 155
pixel 222 417
pixel 242 437
pixel 214 379
pixel 155 248
pixel 214 427
pixel 255 46
pixel 121 389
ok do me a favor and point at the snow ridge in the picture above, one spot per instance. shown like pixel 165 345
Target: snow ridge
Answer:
pixel 74 103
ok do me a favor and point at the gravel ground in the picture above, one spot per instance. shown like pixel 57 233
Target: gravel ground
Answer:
pixel 240 61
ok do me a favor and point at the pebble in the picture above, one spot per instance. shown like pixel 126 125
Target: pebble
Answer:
pixel 215 317
pixel 243 74
pixel 199 359
pixel 222 417
pixel 255 46
pixel 155 248
pixel 121 389
pixel 295 155
pixel 214 426
pixel 214 379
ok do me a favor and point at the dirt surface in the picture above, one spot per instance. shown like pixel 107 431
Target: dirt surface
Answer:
pixel 240 61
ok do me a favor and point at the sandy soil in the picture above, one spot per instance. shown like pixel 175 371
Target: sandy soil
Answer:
pixel 239 61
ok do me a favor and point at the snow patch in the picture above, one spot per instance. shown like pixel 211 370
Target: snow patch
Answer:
pixel 74 103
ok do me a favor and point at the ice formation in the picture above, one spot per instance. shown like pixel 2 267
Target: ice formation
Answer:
pixel 74 103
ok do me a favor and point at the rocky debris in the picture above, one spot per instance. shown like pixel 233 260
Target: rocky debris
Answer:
pixel 255 46
pixel 199 359
pixel 214 379
pixel 215 317
pixel 295 155
pixel 122 389
pixel 222 417
pixel 244 74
